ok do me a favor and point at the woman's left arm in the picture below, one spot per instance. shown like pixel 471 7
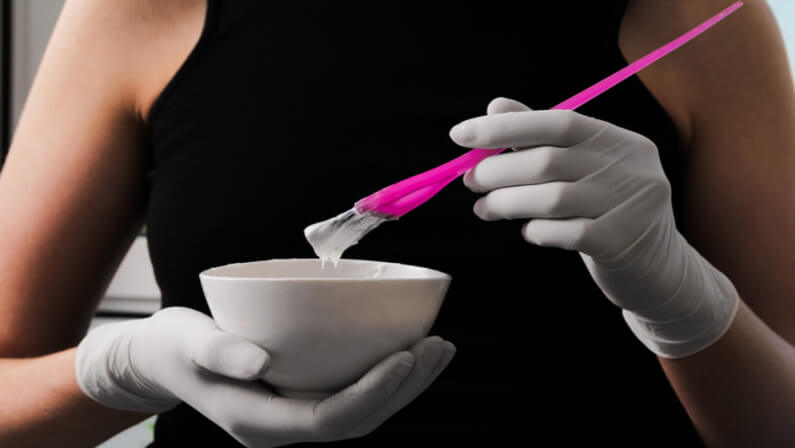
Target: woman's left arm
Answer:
pixel 590 186
pixel 730 93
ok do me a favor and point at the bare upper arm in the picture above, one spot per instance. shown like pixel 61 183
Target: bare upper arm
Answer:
pixel 730 94
pixel 73 187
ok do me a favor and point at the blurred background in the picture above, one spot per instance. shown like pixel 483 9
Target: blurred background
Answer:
pixel 25 27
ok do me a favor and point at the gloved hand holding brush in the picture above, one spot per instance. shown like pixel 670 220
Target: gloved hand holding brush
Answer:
pixel 593 187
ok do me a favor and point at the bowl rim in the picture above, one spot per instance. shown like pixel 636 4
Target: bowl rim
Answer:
pixel 209 274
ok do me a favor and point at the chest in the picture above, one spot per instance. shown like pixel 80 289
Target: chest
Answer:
pixel 288 119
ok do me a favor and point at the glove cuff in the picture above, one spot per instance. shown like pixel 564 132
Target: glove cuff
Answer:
pixel 103 368
pixel 701 311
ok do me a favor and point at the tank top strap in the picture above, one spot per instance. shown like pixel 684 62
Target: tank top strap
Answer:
pixel 209 27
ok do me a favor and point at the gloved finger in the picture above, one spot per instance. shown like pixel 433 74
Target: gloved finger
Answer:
pixel 444 361
pixel 501 105
pixel 230 355
pixel 335 417
pixel 549 200
pixel 433 355
pixel 532 166
pixel 529 128
pixel 222 352
pixel 569 234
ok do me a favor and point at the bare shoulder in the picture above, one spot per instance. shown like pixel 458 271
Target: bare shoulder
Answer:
pixel 717 77
pixel 142 42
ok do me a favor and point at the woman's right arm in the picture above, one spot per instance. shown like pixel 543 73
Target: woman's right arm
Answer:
pixel 72 199
pixel 43 406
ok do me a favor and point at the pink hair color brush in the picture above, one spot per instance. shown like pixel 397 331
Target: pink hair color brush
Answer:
pixel 400 198
pixel 396 200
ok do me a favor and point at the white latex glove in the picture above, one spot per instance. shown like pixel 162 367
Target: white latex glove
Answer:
pixel 593 187
pixel 179 354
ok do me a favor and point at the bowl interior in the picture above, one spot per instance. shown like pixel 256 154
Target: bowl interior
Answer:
pixel 313 269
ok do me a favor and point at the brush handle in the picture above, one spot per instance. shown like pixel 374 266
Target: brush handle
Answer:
pixel 607 83
pixel 402 197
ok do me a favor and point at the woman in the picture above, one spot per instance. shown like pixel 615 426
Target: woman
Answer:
pixel 187 114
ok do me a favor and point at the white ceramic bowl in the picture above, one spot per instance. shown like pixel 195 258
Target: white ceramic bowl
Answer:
pixel 324 328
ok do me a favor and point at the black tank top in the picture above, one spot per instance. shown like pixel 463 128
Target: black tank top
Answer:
pixel 285 113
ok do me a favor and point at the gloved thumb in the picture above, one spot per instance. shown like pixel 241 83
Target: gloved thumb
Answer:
pixel 229 355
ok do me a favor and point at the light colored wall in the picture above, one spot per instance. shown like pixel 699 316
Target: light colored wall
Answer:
pixel 784 10
pixel 33 21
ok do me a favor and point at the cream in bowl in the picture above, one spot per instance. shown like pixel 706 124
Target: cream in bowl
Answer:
pixel 324 328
